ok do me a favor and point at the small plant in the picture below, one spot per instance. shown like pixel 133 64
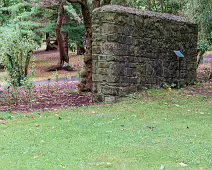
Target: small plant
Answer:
pixel 202 48
pixel 67 75
pixel 207 72
pixel 49 80
pixel 56 76
pixel 72 92
pixel 80 70
pixel 169 86
pixel 15 95
pixel 29 89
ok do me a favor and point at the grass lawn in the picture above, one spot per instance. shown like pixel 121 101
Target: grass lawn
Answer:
pixel 161 129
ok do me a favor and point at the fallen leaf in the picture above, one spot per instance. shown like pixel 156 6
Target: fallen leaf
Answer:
pixel 162 167
pixel 62 166
pixel 183 164
pixel 37 125
pixel 36 157
pixel 3 122
pixel 109 164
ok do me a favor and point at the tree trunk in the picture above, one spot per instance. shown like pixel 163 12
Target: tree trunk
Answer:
pixel 210 75
pixel 65 37
pixel 199 58
pixel 49 45
pixel 86 82
pixel 62 39
pixel 27 65
pixel 80 50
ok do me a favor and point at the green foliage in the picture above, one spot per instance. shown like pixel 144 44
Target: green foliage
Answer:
pixel 42 20
pixel 16 50
pixel 203 46
pixel 201 12
pixel 75 27
pixel 164 6
pixel 25 16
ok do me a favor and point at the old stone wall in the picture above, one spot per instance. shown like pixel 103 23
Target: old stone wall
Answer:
pixel 134 50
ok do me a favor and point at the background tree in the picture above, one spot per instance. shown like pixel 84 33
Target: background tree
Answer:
pixel 201 12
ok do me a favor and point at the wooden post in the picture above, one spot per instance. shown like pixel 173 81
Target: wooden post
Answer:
pixel 210 75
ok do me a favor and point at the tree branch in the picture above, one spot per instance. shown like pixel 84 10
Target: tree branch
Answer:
pixel 76 1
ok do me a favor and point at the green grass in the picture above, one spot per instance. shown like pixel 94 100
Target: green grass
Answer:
pixel 163 129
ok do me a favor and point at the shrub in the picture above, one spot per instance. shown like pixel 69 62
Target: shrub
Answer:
pixel 15 53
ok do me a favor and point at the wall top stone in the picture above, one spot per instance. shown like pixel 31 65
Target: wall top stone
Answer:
pixel 150 14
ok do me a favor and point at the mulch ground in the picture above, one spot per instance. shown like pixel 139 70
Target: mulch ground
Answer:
pixel 43 98
pixel 203 86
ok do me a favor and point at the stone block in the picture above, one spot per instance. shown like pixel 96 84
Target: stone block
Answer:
pixel 97 37
pixel 111 48
pixel 110 58
pixel 113 37
pixel 108 90
pixel 113 79
pixel 103 64
pixel 96 50
pixel 96 77
pixel 102 57
pixel 123 79
pixel 99 98
pixel 109 17
pixel 108 28
pixel 131 71
pixel 110 98
pixel 103 71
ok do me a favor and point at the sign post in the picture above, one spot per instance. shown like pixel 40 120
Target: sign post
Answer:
pixel 180 56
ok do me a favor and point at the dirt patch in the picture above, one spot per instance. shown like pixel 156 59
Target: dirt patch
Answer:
pixel 203 86
pixel 42 60
pixel 200 89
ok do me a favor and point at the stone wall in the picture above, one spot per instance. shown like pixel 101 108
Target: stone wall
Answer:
pixel 134 50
